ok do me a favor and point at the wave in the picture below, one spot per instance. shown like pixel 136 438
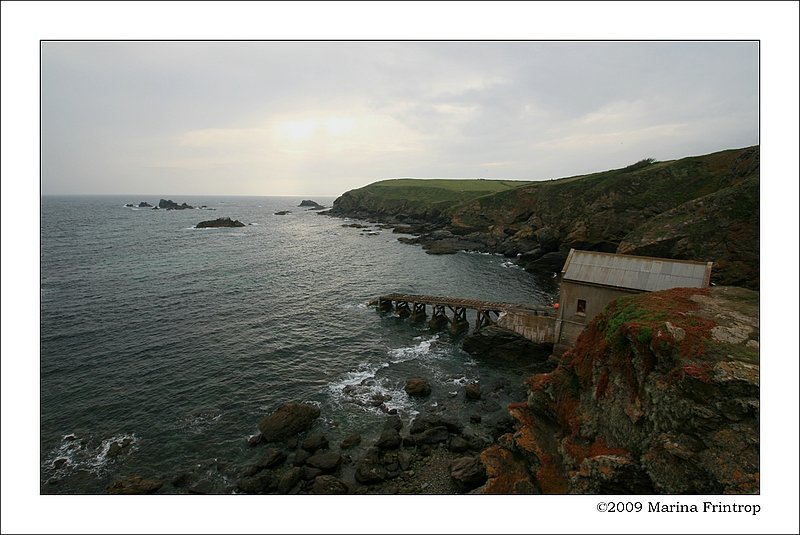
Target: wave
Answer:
pixel 424 348
pixel 362 388
pixel 73 454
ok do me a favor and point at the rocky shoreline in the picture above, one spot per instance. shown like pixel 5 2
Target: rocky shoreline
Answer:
pixel 436 452
pixel 437 236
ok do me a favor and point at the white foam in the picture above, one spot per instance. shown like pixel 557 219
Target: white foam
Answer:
pixel 361 388
pixel 77 454
pixel 422 349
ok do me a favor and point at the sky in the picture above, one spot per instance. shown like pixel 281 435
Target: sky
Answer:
pixel 324 117
pixel 319 118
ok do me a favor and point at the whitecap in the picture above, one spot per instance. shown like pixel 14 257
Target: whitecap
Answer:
pixel 76 454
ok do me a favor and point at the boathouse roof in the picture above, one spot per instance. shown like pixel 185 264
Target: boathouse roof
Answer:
pixel 630 272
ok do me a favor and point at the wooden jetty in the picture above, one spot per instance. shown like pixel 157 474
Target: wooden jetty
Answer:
pixel 487 312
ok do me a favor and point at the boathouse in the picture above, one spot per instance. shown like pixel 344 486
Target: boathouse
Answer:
pixel 590 280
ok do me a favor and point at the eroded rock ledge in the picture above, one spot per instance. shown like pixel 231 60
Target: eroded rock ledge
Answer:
pixel 659 395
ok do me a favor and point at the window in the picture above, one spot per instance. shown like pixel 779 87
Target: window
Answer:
pixel 581 309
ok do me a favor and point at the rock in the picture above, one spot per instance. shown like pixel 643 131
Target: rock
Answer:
pixel 552 262
pixel 255 484
pixel 350 441
pixel 473 391
pixel 499 424
pixel 116 448
pixel 389 439
pixel 503 344
pixel 144 204
pixel 417 387
pixel 300 457
pixel 393 422
pixel 129 205
pixel 170 205
pixel 254 440
pixel 287 421
pixel 289 479
pixel 458 444
pixel 181 480
pixel 312 205
pixel 468 473
pixel 203 486
pixel 222 222
pixel 309 473
pixel 370 472
pixel 327 462
pixel 428 421
pixel 135 485
pixel 475 418
pixel 432 436
pixel 328 485
pixel 283 212
pixel 314 442
pixel 271 458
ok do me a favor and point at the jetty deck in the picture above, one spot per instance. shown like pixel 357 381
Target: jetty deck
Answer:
pixel 488 312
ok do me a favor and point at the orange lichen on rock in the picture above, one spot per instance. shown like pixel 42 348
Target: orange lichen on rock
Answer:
pixel 506 473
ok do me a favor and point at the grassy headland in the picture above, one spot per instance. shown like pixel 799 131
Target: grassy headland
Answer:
pixel 702 208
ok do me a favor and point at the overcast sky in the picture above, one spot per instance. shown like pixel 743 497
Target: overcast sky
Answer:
pixel 304 118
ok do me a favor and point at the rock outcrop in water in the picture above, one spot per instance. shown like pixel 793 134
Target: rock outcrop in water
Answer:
pixel 659 395
pixel 287 421
pixel 222 222
pixel 165 204
pixel 312 205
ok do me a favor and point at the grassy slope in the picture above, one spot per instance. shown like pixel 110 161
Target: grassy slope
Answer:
pixel 419 197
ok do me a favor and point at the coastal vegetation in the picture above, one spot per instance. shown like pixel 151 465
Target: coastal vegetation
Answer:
pixel 703 208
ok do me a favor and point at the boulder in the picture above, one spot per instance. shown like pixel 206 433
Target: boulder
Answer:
pixel 289 479
pixel 271 457
pixel 429 421
pixel 503 344
pixel 468 473
pixel 389 439
pixel 255 484
pixel 134 485
pixel 473 391
pixel 417 387
pixel 369 471
pixel 327 462
pixel 328 485
pixel 458 444
pixel 350 441
pixel 435 435
pixel 314 442
pixel 283 212
pixel 222 222
pixel 287 421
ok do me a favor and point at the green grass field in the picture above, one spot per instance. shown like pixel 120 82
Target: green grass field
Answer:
pixel 434 191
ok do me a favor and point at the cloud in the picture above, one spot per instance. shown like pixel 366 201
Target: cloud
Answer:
pixel 324 117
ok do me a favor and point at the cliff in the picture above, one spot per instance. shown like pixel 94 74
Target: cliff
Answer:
pixel 701 208
pixel 659 395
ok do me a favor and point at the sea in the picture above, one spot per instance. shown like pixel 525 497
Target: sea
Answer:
pixel 163 345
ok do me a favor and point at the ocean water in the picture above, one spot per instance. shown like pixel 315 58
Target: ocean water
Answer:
pixel 163 345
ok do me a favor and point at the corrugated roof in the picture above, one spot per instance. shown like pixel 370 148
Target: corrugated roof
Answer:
pixel 635 272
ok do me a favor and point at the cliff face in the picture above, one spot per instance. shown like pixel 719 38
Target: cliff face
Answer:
pixel 659 395
pixel 702 208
